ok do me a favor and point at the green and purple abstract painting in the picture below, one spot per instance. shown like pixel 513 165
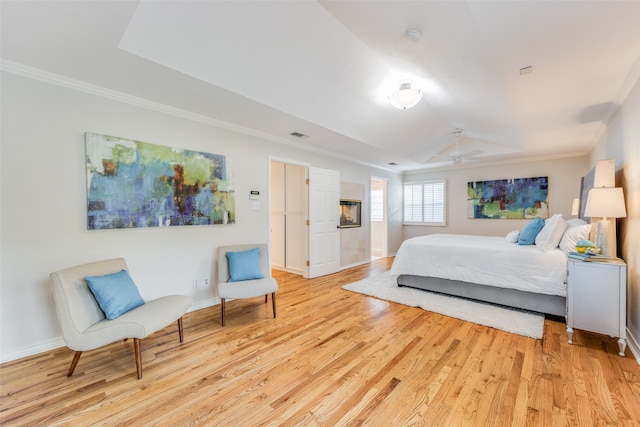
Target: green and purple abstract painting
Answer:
pixel 509 198
pixel 132 184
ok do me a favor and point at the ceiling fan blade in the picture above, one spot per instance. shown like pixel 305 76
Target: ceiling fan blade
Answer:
pixel 473 153
pixel 457 155
pixel 436 157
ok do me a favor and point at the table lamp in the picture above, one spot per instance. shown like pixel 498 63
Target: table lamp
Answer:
pixel 606 203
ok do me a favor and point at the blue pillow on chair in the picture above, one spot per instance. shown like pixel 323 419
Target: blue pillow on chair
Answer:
pixel 530 231
pixel 116 293
pixel 244 265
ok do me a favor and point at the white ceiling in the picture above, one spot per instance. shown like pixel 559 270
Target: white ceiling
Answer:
pixel 325 68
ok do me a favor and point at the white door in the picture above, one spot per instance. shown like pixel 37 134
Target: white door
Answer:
pixel 277 203
pixel 324 216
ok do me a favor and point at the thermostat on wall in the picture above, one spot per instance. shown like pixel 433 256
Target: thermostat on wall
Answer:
pixel 254 195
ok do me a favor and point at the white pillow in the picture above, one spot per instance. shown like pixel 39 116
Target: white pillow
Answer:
pixel 573 235
pixel 512 236
pixel 551 234
pixel 576 221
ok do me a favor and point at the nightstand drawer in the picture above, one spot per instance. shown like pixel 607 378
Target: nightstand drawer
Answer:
pixel 596 298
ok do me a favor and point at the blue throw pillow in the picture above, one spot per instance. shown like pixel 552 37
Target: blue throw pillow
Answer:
pixel 244 265
pixel 530 231
pixel 116 293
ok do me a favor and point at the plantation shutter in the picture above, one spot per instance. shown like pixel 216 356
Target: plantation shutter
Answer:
pixel 424 203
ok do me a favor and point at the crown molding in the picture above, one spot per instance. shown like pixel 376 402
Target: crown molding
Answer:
pixel 81 86
pixel 511 160
pixel 632 78
pixel 114 95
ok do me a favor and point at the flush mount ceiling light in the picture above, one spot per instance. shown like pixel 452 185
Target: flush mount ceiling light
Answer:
pixel 405 97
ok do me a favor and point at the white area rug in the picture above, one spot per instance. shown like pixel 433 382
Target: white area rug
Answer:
pixel 383 286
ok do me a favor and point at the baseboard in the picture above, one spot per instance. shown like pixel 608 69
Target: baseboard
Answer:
pixel 209 302
pixel 288 270
pixel 356 264
pixel 30 351
pixel 632 343
pixel 59 342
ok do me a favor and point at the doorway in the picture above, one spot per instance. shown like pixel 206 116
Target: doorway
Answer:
pixel 304 219
pixel 378 218
pixel 287 217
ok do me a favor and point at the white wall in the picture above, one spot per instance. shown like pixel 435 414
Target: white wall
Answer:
pixel 564 185
pixel 621 141
pixel 43 203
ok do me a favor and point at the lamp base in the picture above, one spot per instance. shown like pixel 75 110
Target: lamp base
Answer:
pixel 605 238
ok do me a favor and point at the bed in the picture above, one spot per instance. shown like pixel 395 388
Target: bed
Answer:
pixel 485 268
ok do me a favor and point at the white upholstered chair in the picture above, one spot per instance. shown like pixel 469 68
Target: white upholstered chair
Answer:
pixel 84 325
pixel 245 288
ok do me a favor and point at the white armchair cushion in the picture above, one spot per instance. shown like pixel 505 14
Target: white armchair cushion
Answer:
pixel 138 323
pixel 247 288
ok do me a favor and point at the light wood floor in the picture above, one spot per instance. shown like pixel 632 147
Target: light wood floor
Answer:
pixel 331 357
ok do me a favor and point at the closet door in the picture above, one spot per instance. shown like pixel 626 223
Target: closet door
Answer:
pixel 294 218
pixel 278 215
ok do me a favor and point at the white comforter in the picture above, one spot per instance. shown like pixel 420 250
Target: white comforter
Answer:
pixel 485 260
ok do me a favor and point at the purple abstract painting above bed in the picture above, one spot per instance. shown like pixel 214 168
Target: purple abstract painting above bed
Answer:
pixel 516 198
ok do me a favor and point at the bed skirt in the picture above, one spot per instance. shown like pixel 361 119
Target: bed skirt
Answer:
pixel 542 303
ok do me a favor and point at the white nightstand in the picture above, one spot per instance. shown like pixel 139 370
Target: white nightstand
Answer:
pixel 597 299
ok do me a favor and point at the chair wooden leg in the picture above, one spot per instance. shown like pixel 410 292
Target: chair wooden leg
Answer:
pixel 273 301
pixel 180 331
pixel 266 298
pixel 222 310
pixel 74 362
pixel 136 346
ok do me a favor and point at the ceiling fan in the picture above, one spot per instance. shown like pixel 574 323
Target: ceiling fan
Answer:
pixel 458 155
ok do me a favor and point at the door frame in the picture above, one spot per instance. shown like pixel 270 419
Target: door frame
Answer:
pixel 305 243
pixel 385 207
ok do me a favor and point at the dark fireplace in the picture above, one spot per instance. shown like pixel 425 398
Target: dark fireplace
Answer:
pixel 350 213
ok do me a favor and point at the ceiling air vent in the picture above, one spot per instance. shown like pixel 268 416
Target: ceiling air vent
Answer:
pixel 526 70
pixel 299 135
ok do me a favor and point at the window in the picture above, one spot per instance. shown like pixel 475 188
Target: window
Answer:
pixel 424 203
pixel 376 206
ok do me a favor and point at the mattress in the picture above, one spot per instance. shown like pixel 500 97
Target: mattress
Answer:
pixel 486 260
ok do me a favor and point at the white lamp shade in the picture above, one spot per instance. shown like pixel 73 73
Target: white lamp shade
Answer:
pixel 606 203
pixel 405 97
pixel 605 174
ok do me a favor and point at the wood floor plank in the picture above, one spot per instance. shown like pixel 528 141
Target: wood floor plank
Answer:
pixel 331 357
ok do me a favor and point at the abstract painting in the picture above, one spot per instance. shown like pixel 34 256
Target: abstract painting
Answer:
pixel 132 184
pixel 509 198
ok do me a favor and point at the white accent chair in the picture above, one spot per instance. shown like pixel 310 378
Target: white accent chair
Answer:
pixel 84 325
pixel 246 288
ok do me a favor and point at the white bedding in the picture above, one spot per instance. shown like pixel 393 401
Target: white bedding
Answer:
pixel 485 260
